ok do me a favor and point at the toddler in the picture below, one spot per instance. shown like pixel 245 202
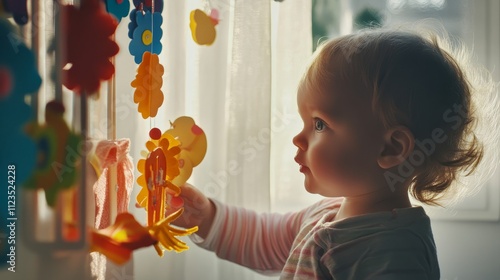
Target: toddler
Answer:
pixel 387 114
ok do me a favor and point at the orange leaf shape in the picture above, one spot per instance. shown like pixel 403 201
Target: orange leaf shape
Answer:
pixel 148 83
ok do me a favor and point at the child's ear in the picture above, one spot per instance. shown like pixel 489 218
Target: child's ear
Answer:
pixel 398 145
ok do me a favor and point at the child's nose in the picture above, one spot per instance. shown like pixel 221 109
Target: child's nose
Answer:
pixel 300 141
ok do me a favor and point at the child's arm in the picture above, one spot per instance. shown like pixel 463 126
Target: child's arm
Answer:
pixel 198 211
pixel 260 242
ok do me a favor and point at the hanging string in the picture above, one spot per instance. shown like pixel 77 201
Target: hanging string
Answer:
pixel 112 102
pixel 152 119
pixel 84 126
pixel 206 6
pixel 113 173
pixel 35 46
pixel 59 52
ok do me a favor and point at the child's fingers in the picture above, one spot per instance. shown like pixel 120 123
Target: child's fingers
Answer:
pixel 188 192
pixel 193 198
pixel 195 205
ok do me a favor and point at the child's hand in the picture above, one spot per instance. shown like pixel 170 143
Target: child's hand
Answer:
pixel 198 211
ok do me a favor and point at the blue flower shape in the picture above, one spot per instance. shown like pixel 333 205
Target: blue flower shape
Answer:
pixel 146 35
pixel 118 8
pixel 137 3
pixel 132 25
pixel 19 62
pixel 17 150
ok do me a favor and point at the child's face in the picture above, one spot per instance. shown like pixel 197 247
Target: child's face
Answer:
pixel 340 141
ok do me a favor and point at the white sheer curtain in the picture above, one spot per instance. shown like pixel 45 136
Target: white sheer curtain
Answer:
pixel 241 91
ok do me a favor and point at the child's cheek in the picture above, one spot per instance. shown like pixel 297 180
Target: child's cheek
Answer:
pixel 336 166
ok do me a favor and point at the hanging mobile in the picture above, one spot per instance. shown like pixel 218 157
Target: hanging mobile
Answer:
pixel 161 162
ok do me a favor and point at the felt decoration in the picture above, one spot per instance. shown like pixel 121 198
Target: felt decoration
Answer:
pixel 147 84
pixel 118 8
pixel 146 36
pixel 203 26
pixel 166 234
pixel 157 171
pixel 18 79
pixel 89 46
pixel 119 240
pixel 193 144
pixel 18 61
pixel 18 8
pixel 58 154
pixel 132 25
pixel 155 133
pixel 142 5
pixel 190 145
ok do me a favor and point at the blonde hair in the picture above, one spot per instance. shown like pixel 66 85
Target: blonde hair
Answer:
pixel 418 79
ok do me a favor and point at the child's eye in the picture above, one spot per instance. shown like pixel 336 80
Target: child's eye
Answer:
pixel 319 124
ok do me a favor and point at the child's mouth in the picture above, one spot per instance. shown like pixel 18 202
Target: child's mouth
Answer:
pixel 302 168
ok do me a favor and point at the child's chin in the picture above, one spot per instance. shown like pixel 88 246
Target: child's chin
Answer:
pixel 310 187
pixel 314 189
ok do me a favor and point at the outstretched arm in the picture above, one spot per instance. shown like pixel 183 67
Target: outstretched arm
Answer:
pixel 258 241
pixel 198 211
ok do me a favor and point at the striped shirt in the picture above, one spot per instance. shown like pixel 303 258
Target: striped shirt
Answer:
pixel 309 245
